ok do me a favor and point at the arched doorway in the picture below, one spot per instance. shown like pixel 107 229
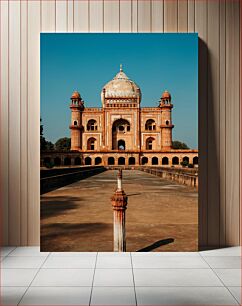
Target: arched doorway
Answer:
pixel 149 143
pixel 186 159
pixel 88 161
pixel 98 160
pixel 165 161
pixel 67 161
pixel 47 161
pixel 195 160
pixel 131 161
pixel 121 144
pixel 110 161
pixel 154 160
pixel 57 161
pixel 144 160
pixel 91 144
pixel 77 161
pixel 175 160
pixel 121 161
pixel 120 128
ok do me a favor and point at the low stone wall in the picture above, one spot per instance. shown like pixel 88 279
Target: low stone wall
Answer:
pixel 56 178
pixel 182 176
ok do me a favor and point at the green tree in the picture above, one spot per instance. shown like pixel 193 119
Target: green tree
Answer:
pixel 184 163
pixel 44 144
pixel 179 145
pixel 63 144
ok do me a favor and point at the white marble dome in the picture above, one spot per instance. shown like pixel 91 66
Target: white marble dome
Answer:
pixel 121 87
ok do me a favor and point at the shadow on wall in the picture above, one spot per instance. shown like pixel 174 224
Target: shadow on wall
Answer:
pixel 209 173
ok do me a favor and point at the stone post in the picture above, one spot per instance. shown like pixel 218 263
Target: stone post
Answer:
pixel 119 203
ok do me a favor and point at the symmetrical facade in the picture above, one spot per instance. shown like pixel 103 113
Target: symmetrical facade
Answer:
pixel 121 132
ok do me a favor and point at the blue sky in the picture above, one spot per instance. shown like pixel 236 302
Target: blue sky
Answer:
pixel 86 62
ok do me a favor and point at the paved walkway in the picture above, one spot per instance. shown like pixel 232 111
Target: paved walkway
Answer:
pixel 79 217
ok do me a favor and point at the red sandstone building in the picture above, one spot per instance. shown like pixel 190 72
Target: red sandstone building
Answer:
pixel 123 133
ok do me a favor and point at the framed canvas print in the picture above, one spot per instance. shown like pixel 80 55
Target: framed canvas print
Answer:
pixel 119 142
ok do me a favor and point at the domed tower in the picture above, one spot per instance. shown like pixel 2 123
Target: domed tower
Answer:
pixel 166 121
pixel 121 92
pixel 76 107
pixel 121 99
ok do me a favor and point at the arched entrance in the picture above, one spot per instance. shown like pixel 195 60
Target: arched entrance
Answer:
pixel 77 161
pixel 121 161
pixel 144 160
pixel 149 143
pixel 98 160
pixel 57 161
pixel 195 160
pixel 175 160
pixel 165 161
pixel 186 159
pixel 88 161
pixel 47 161
pixel 67 161
pixel 154 160
pixel 111 161
pixel 131 161
pixel 91 143
pixel 120 128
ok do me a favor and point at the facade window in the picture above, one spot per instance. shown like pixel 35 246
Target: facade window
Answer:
pixel 150 125
pixel 92 125
pixel 75 122
pixel 165 161
pixel 167 122
pixel 149 143
pixel 91 144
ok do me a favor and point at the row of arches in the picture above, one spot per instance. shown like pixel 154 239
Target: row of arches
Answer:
pixel 121 145
pixel 120 161
pixel 150 125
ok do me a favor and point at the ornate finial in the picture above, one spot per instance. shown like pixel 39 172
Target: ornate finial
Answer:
pixel 121 68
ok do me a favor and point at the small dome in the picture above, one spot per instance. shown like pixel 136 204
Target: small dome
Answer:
pixel 166 95
pixel 121 87
pixel 76 95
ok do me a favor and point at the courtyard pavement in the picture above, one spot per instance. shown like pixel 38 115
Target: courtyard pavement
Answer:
pixel 161 215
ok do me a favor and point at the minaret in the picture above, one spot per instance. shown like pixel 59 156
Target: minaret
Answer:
pixel 166 121
pixel 76 107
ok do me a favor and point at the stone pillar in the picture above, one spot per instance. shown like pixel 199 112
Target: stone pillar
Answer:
pixel 119 203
